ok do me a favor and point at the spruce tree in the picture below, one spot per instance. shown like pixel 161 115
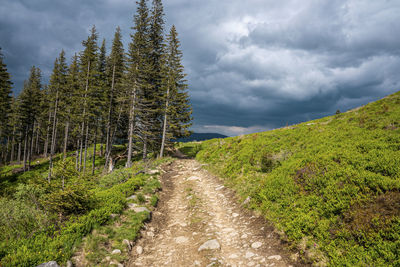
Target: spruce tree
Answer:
pixel 138 86
pixel 5 103
pixel 88 75
pixel 177 109
pixel 28 109
pixel 71 100
pixel 57 89
pixel 115 74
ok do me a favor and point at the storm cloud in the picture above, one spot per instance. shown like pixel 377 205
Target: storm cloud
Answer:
pixel 252 65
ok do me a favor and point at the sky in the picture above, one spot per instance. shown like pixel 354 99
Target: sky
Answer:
pixel 252 65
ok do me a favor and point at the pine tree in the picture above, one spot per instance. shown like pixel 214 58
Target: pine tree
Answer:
pixel 28 110
pixel 5 104
pixel 57 88
pixel 115 74
pixel 156 57
pixel 177 109
pixel 88 76
pixel 138 79
pixel 70 99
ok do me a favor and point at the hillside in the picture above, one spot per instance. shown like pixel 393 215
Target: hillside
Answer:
pixel 330 186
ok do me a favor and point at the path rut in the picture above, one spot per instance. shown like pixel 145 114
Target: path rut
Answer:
pixel 195 208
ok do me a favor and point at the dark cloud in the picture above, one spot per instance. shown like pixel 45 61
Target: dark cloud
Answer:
pixel 252 65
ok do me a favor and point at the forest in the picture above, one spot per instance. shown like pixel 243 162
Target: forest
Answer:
pixel 138 96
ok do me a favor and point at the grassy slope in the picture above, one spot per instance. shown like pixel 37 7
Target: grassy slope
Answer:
pixel 332 184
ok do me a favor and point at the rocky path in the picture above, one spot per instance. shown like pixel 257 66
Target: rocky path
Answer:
pixel 198 223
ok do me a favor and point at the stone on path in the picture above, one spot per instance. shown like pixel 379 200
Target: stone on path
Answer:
pixel 139 250
pixel 256 245
pixel 210 244
pixel 193 178
pixel 234 215
pixel 275 257
pixel 249 254
pixel 181 239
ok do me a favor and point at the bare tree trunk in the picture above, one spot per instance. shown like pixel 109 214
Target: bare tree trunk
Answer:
pixel 144 148
pixel 80 154
pixel 46 143
pixel 77 157
pixel 131 128
pixel 165 125
pixel 108 154
pixel 110 110
pixel 12 145
pixel 37 140
pixel 66 138
pixel 7 147
pixel 86 147
pixel 32 142
pixel 83 121
pixel 25 147
pixel 30 148
pixel 53 137
pixel 101 144
pixel 94 150
pixel 19 152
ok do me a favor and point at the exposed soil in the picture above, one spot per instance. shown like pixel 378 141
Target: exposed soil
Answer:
pixel 194 208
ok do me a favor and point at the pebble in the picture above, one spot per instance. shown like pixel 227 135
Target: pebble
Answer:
pixel 151 234
pixel 252 263
pixel 249 254
pixel 244 236
pixel 133 197
pixel 275 257
pixel 139 250
pixel 234 215
pixel 140 209
pixel 116 251
pixel 233 256
pixel 193 178
pixel 256 245
pixel 210 244
pixel 181 239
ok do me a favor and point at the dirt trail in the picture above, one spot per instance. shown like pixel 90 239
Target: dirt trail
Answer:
pixel 195 208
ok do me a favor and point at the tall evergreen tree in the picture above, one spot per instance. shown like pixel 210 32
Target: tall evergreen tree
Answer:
pixel 138 79
pixel 28 110
pixel 57 90
pixel 88 75
pixel 156 57
pixel 177 109
pixel 115 74
pixel 5 103
pixel 71 99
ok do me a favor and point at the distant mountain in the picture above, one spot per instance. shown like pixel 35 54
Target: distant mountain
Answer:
pixel 201 137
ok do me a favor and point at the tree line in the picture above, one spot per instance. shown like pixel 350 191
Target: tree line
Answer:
pixel 138 96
